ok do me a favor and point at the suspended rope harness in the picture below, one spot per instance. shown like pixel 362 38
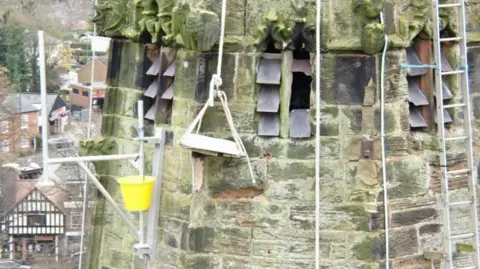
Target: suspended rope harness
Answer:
pixel 204 143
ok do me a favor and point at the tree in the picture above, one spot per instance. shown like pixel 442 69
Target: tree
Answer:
pixel 12 54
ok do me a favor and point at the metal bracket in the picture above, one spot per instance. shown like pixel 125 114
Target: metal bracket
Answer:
pixel 142 250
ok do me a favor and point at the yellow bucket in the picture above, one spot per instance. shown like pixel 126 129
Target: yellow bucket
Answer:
pixel 137 192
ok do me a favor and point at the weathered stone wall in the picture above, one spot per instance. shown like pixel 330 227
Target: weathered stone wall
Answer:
pixel 229 223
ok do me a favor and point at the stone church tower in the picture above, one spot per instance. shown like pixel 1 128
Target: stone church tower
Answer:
pixel 165 52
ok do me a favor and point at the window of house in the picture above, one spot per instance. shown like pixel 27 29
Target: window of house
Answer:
pixel 300 95
pixel 76 220
pixel 24 121
pixel 76 91
pixel 5 146
pixel 269 71
pixel 85 93
pixel 37 220
pixel 4 126
pixel 24 142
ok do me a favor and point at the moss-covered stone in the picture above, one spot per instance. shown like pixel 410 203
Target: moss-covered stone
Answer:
pixel 186 68
pixel 329 124
pixel 245 78
pixel 373 38
pixel 224 174
pixel 371 249
pixel 202 261
pixel 407 177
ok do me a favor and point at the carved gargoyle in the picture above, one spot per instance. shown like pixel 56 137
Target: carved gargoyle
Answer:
pixel 111 17
pixel 193 28
pixel 273 30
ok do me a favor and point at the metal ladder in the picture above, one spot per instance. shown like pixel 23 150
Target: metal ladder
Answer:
pixel 448 238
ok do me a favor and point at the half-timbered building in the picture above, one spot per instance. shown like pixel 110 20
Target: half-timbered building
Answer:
pixel 32 219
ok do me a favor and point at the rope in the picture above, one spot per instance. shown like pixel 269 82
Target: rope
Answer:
pixel 317 134
pixel 214 90
pixel 433 66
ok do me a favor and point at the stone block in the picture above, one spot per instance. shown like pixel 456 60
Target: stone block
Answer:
pixel 364 180
pixel 372 248
pixel 245 78
pixel 284 170
pixel 131 71
pixel 329 124
pixel 476 106
pixel 235 16
pixel 427 229
pixel 275 147
pixel 410 217
pixel 403 242
pixel 183 112
pixel 407 176
pixel 396 84
pixel 236 262
pixel 175 205
pixel 345 78
pixel 126 127
pixel 351 146
pixel 200 261
pixel 110 100
pixel 393 115
pixel 224 174
pixel 168 257
pixel 243 116
pixel 126 102
pixel 368 120
pixel 234 241
pixel 187 68
pixel 266 215
pixel 350 121
pixel 345 217
pixel 411 262
pixel 474 66
pixel 229 63
pixel 292 190
pixel 345 34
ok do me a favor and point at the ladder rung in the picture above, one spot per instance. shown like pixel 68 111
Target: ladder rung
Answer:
pixel 462 236
pixel 460 203
pixel 452 72
pixel 456 138
pixel 455 105
pixel 469 267
pixel 459 171
pixel 449 5
pixel 446 39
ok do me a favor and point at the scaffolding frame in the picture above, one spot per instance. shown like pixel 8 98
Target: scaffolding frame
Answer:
pixel 145 249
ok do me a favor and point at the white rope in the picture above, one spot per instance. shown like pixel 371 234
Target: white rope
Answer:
pixel 384 165
pixel 317 135
pixel 214 90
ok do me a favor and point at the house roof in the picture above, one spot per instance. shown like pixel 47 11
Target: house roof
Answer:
pixel 14 191
pixel 36 100
pixel 17 103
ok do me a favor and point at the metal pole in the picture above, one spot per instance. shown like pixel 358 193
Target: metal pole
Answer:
pixel 141 166
pixel 108 198
pixel 93 158
pixel 84 212
pixel 90 96
pixel 43 92
pixel 317 132
pixel 154 211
